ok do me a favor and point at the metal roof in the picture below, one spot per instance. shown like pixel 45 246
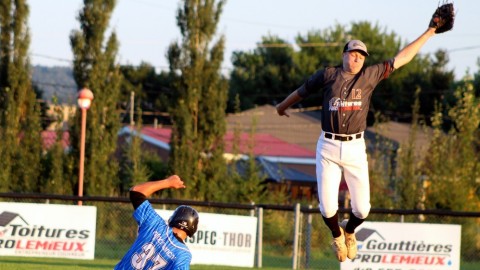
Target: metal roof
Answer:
pixel 275 172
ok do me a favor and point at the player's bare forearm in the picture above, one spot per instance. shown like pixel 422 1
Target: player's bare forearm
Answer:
pixel 293 98
pixel 150 187
pixel 405 55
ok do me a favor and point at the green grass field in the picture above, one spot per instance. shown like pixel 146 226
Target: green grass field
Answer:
pixel 270 263
pixel 21 263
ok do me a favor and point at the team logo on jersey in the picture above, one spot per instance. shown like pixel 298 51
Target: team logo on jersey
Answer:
pixel 336 103
pixel 333 104
pixel 356 93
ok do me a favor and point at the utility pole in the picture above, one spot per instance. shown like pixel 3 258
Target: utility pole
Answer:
pixel 132 106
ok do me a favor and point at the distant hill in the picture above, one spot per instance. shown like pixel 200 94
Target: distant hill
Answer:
pixel 55 81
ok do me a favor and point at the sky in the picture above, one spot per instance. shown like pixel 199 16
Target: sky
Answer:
pixel 145 28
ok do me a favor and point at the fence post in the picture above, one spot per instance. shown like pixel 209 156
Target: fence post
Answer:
pixel 259 236
pixel 308 238
pixel 296 236
pixel 252 212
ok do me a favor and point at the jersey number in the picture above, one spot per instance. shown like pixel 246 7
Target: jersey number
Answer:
pixel 140 259
pixel 357 93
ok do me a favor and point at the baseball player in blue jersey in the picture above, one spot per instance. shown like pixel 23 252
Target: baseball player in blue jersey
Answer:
pixel 159 244
pixel 347 90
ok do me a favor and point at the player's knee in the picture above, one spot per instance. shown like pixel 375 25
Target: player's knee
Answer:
pixel 361 212
pixel 328 213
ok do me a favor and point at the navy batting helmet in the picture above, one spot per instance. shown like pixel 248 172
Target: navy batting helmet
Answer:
pixel 184 218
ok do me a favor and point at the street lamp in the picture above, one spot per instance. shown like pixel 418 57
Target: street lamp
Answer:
pixel 85 97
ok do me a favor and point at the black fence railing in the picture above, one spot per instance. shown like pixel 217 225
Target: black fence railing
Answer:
pixel 304 209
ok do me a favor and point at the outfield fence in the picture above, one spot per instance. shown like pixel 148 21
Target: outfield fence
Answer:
pixel 289 236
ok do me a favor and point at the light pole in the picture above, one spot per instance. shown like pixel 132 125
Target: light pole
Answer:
pixel 85 97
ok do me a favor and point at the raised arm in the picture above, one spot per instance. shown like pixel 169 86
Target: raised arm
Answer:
pixel 442 21
pixel 406 54
pixel 150 187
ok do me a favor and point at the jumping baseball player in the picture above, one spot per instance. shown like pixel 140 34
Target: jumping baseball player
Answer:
pixel 159 244
pixel 347 90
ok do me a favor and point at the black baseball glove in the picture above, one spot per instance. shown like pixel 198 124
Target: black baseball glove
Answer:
pixel 443 18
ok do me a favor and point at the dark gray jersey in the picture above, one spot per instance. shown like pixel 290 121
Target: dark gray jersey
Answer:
pixel 346 97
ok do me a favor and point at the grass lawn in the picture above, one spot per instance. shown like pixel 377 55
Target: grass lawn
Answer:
pixel 24 263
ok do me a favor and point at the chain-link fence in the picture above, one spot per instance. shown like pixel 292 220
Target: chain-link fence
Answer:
pixel 292 237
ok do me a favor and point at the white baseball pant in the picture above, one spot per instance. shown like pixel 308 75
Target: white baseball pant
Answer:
pixel 334 157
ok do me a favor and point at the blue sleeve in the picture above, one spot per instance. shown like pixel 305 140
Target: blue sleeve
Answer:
pixel 145 215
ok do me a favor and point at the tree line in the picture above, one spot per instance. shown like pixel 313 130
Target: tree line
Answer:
pixel 197 95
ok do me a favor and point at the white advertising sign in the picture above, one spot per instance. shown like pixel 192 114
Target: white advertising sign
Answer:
pixel 406 246
pixel 222 239
pixel 47 230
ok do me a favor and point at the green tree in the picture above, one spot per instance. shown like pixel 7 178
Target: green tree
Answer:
pixel 321 48
pixel 198 113
pixel 133 169
pixel 264 76
pixel 476 79
pixel 381 162
pixel 453 159
pixel 57 175
pixel 409 185
pixel 95 67
pixel 274 69
pixel 440 81
pixel 247 178
pixel 152 92
pixel 20 128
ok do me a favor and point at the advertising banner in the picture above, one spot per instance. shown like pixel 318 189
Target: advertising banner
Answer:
pixel 47 230
pixel 222 239
pixel 406 246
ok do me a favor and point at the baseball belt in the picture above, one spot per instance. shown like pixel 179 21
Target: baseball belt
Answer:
pixel 343 138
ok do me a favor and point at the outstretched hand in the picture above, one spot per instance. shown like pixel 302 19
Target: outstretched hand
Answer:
pixel 174 181
pixel 281 112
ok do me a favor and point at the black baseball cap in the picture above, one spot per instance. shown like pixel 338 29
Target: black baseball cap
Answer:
pixel 356 45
